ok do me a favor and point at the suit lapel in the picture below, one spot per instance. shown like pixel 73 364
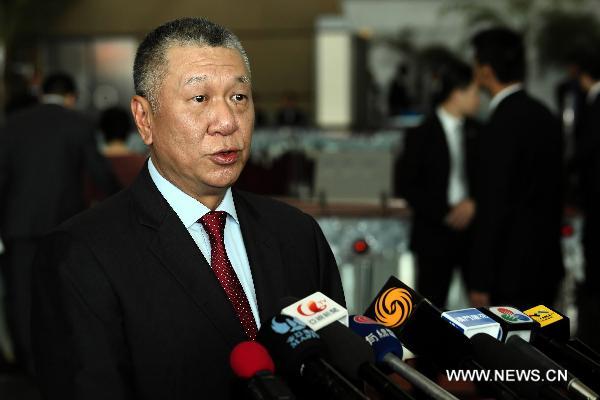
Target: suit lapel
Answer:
pixel 264 255
pixel 173 245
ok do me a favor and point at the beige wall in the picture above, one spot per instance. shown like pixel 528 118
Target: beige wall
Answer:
pixel 278 34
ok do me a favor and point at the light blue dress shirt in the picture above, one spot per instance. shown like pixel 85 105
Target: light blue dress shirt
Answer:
pixel 191 210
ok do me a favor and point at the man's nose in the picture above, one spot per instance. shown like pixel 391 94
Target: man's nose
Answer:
pixel 222 118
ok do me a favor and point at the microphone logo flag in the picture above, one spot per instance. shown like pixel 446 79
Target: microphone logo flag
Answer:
pixel 311 307
pixel 393 307
pixel 510 314
pixel 317 311
pixel 543 315
pixel 295 331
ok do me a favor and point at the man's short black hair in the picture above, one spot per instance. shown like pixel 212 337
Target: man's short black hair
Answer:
pixel 450 75
pixel 59 83
pixel 588 62
pixel 115 123
pixel 503 50
pixel 150 62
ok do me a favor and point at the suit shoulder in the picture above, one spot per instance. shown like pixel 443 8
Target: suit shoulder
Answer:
pixel 104 217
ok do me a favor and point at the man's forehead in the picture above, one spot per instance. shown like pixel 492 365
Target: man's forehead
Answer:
pixel 196 64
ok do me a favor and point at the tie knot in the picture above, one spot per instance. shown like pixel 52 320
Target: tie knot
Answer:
pixel 214 223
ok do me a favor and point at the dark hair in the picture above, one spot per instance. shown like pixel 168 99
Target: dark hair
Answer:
pixel 503 50
pixel 150 62
pixel 115 123
pixel 59 83
pixel 588 62
pixel 450 75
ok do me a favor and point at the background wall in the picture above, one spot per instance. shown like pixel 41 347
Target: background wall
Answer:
pixel 278 34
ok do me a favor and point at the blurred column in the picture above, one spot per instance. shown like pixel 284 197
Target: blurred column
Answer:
pixel 333 72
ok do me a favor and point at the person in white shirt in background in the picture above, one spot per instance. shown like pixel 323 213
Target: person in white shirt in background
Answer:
pixel 435 176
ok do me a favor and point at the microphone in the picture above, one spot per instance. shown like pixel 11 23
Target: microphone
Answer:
pixel 413 318
pixel 471 321
pixel 354 358
pixel 297 351
pixel 347 351
pixel 553 342
pixel 388 351
pixel 499 356
pixel 250 361
pixel 512 322
pixel 572 384
pixel 551 334
pixel 419 326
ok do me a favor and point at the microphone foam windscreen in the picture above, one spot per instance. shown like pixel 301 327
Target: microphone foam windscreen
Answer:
pixel 347 351
pixel 248 358
pixel 381 339
pixel 290 342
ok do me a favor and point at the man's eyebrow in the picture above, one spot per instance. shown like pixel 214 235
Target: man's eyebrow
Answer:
pixel 202 78
pixel 243 79
pixel 195 79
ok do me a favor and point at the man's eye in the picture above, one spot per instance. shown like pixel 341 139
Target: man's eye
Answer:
pixel 239 97
pixel 199 99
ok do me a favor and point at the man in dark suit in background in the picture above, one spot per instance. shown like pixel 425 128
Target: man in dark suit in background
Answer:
pixel 44 151
pixel 145 295
pixel 435 175
pixel 516 251
pixel 588 169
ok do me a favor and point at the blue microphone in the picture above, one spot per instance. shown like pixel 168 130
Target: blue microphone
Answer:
pixel 388 351
pixel 382 340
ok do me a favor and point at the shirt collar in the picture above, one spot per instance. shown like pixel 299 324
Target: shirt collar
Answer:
pixel 188 209
pixel 504 93
pixel 593 92
pixel 450 123
pixel 53 99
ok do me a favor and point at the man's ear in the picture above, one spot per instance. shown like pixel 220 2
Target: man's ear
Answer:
pixel 143 117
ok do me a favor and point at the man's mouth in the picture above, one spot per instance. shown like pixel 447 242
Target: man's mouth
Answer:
pixel 225 157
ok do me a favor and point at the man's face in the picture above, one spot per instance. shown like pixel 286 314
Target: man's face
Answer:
pixel 468 99
pixel 201 133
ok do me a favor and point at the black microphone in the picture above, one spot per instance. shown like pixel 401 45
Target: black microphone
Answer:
pixel 515 322
pixel 551 334
pixel 347 352
pixel 297 351
pixel 354 358
pixel 419 326
pixel 572 384
pixel 250 360
pixel 388 351
pixel 500 357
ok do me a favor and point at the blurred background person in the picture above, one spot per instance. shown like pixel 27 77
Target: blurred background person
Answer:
pixel 588 167
pixel 289 113
pixel 516 251
pixel 436 176
pixel 43 151
pixel 115 125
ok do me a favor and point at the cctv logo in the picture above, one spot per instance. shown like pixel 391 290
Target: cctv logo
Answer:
pixel 312 307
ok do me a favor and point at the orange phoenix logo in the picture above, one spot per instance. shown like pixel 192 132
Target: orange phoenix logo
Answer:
pixel 393 307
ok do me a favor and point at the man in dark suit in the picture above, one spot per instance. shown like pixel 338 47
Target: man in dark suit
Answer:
pixel 516 252
pixel 44 151
pixel 435 175
pixel 588 169
pixel 145 295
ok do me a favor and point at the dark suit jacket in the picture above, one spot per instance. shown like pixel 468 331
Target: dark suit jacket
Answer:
pixel 517 255
pixel 588 158
pixel 126 306
pixel 44 152
pixel 421 177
